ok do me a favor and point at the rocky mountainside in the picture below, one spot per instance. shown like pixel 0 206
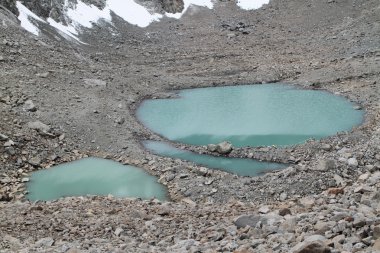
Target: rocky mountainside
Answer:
pixel 61 100
pixel 56 9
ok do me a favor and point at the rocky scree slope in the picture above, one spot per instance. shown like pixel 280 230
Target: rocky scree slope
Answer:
pixel 326 202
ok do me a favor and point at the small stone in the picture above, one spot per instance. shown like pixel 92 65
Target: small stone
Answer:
pixel 10 150
pixel 352 162
pixel 376 232
pixel 3 137
pixel 307 202
pixel 25 179
pixel 35 161
pixel 264 209
pixel 338 239
pixel 376 246
pixel 248 220
pixel 231 35
pixel 339 180
pixel 95 83
pixel 43 75
pixel 357 107
pixel 9 143
pixel 45 242
pixel 283 196
pixel 208 182
pixel 311 247
pixel 39 126
pixel 118 231
pixel 313 238
pixel 120 120
pixel 325 165
pixel 183 176
pixel 211 147
pixel 326 147
pixel 170 177
pixel 203 171
pixel 362 189
pixel 284 211
pixel 29 106
pixel 335 191
pixel 359 222
pixel 363 177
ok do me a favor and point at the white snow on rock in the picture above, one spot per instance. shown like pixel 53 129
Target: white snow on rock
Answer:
pixel 251 4
pixel 25 16
pixel 187 4
pixel 83 15
pixel 64 30
pixel 132 12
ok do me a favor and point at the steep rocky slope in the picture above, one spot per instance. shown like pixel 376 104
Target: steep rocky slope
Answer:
pixel 327 200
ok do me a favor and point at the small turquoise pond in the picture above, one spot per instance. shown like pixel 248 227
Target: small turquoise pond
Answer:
pixel 238 166
pixel 249 115
pixel 93 176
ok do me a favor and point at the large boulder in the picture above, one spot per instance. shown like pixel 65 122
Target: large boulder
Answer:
pixel 224 148
pixel 311 247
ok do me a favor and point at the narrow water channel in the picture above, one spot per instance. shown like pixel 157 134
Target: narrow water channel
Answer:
pixel 238 166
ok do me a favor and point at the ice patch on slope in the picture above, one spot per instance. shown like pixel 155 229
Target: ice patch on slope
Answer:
pixel 251 4
pixel 187 4
pixel 25 16
pixel 83 15
pixel 66 30
pixel 132 12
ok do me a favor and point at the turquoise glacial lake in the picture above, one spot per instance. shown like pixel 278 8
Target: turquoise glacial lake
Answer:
pixel 93 176
pixel 238 166
pixel 249 115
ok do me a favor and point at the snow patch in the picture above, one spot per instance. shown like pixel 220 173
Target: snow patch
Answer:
pixel 64 30
pixel 85 15
pixel 187 4
pixel 251 4
pixel 25 16
pixel 132 12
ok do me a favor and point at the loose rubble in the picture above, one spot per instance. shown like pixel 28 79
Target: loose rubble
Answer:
pixel 60 101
